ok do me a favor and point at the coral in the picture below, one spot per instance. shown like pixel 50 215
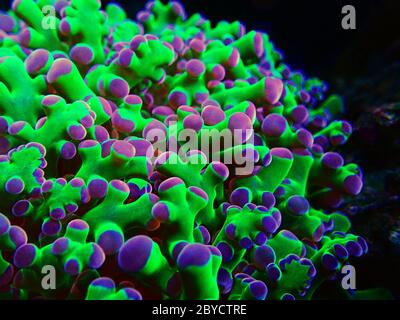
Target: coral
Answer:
pixel 106 171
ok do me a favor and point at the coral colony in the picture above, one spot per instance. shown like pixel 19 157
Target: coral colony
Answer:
pixel 164 158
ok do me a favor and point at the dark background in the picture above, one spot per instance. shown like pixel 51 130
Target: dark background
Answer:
pixel 309 31
pixel 363 66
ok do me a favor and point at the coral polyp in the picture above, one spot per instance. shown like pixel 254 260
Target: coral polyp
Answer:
pixel 98 179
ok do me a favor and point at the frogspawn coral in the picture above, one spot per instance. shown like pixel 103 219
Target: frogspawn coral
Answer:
pixel 84 190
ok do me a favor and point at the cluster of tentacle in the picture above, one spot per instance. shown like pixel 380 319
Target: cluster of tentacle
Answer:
pixel 85 190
